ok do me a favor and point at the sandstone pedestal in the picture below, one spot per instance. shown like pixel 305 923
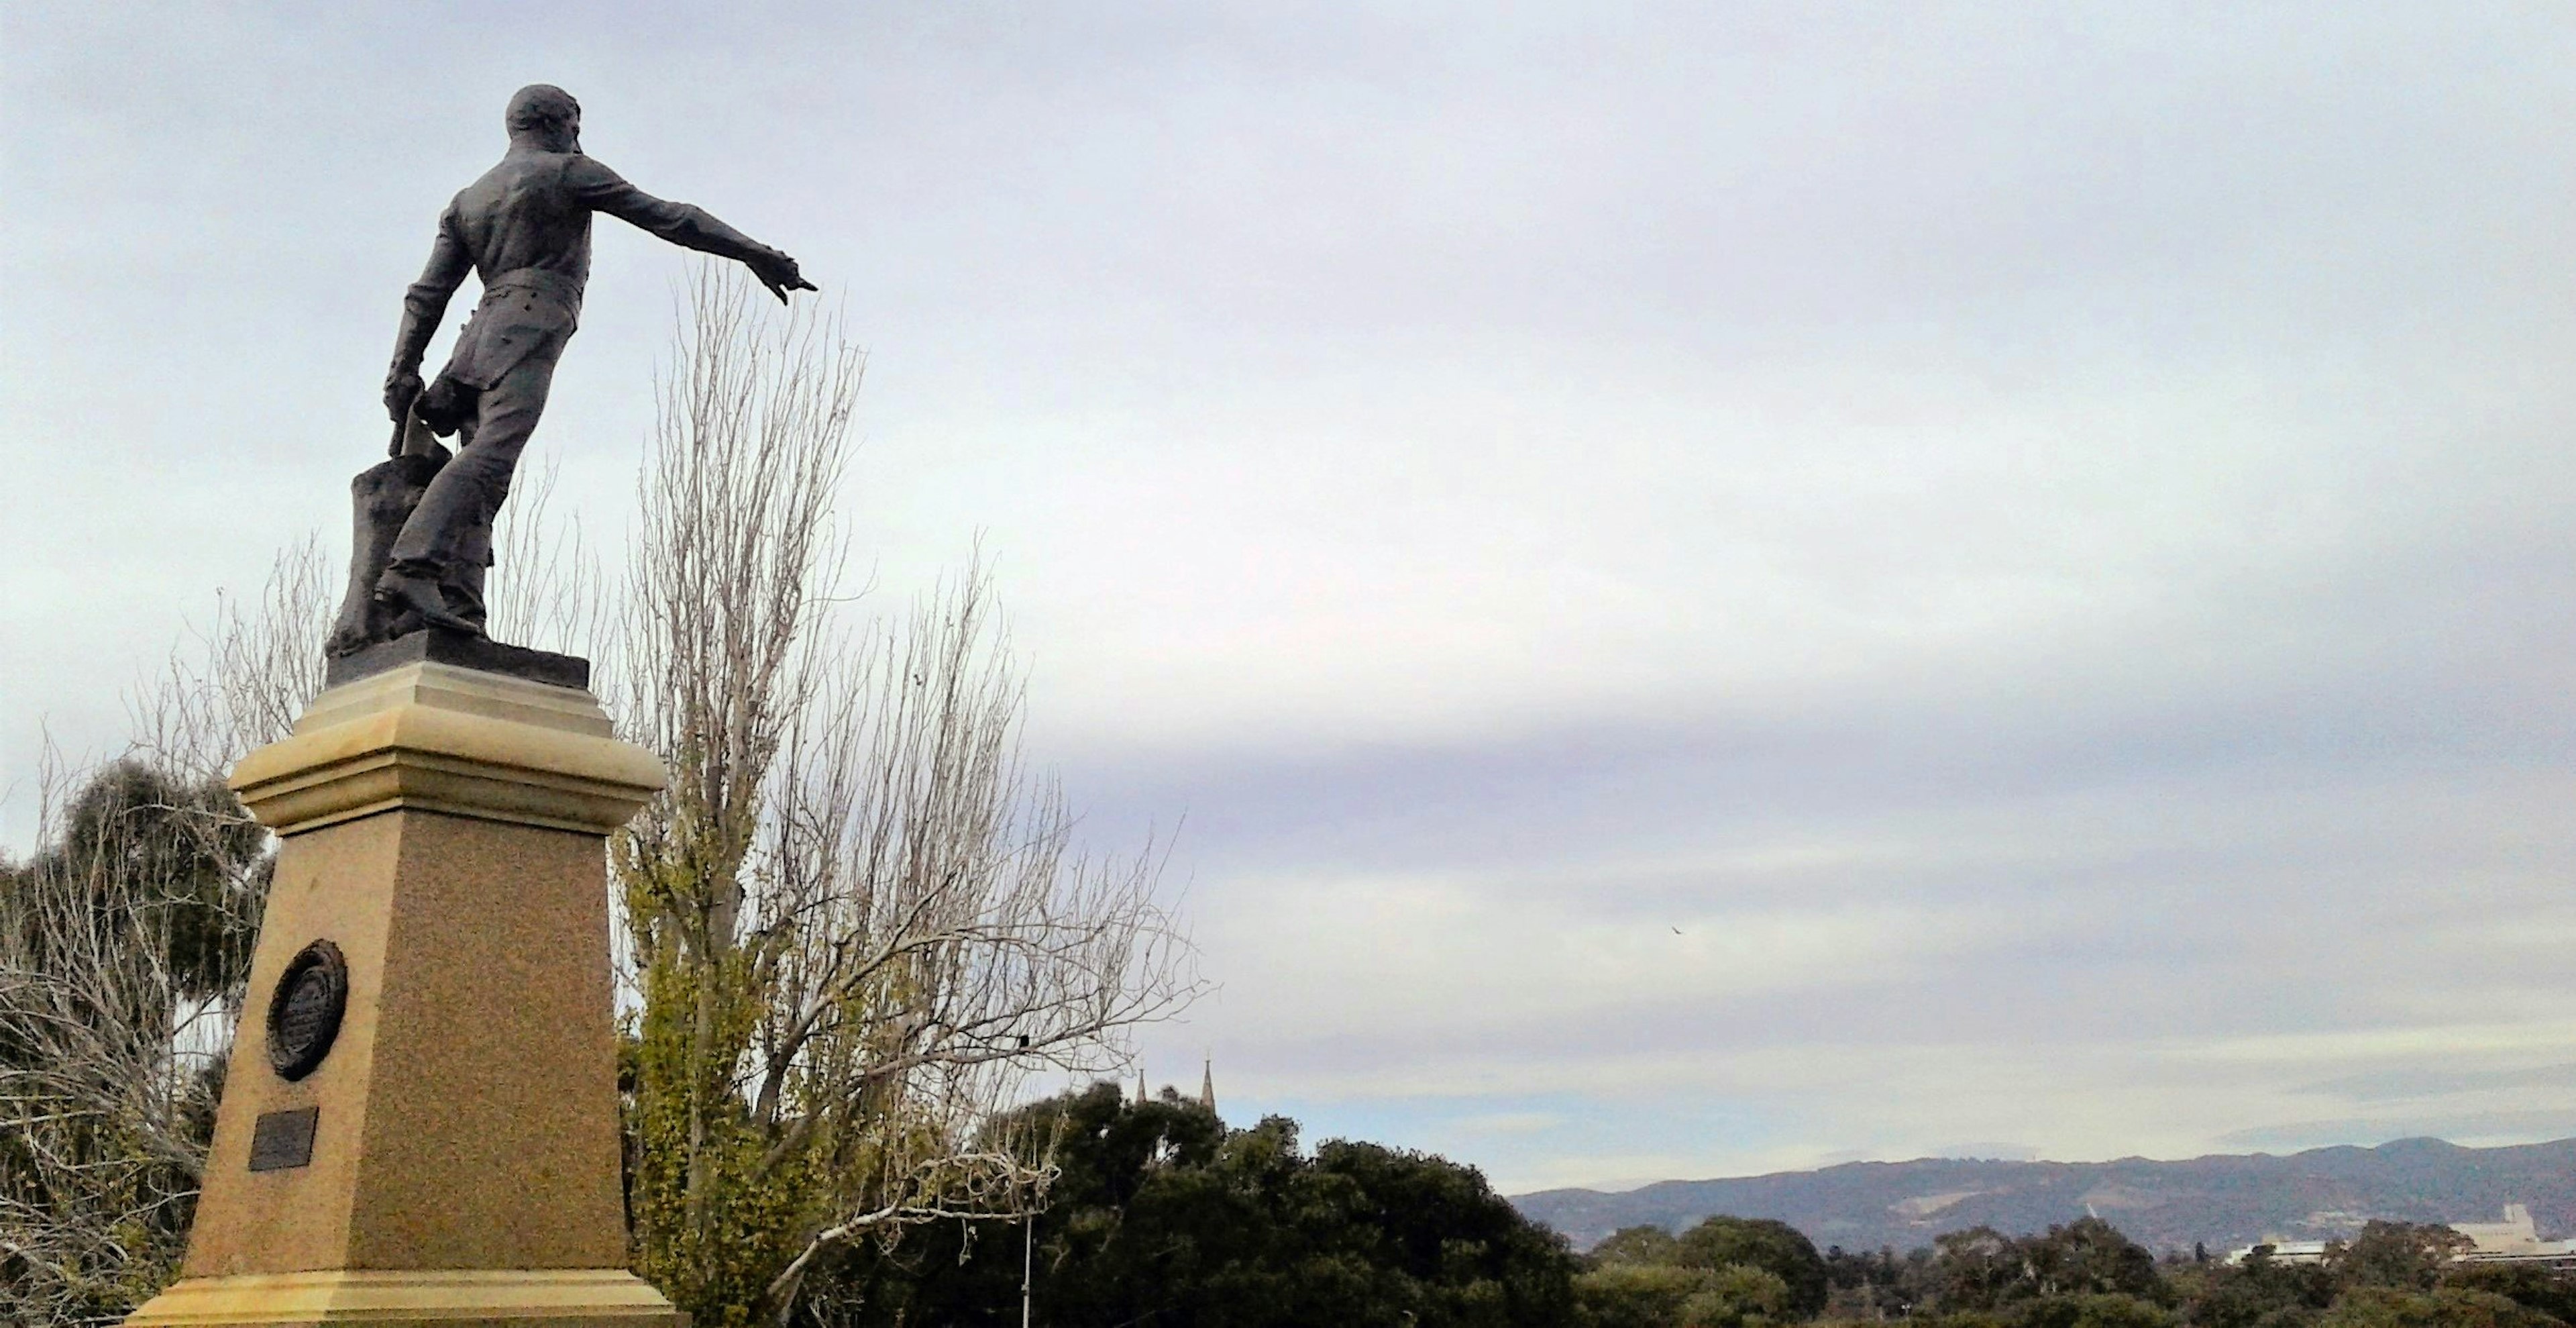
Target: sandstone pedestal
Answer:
pixel 442 830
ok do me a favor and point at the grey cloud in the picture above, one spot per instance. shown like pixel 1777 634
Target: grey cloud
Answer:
pixel 1988 1152
pixel 2457 1127
pixel 2410 1084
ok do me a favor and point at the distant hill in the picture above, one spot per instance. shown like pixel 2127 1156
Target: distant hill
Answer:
pixel 2222 1201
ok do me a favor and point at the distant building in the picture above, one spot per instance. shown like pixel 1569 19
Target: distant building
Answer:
pixel 2283 1251
pixel 2513 1240
pixel 1207 1090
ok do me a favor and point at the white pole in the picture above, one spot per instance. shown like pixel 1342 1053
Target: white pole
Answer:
pixel 1028 1265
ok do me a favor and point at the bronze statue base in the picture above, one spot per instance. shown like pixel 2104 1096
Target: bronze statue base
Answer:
pixel 480 653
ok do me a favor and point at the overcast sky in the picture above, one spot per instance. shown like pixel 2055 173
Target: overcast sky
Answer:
pixel 1718 587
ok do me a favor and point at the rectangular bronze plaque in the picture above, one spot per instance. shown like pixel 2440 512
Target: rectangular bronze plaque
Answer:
pixel 283 1139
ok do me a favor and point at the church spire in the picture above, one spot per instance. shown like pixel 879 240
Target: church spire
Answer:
pixel 1207 1084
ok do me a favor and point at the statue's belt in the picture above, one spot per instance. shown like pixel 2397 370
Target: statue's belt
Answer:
pixel 537 279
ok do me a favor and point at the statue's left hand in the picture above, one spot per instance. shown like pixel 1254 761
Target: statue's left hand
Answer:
pixel 401 390
pixel 778 272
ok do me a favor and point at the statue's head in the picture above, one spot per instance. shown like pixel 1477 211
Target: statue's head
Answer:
pixel 545 115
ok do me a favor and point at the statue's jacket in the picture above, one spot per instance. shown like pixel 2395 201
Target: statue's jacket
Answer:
pixel 524 230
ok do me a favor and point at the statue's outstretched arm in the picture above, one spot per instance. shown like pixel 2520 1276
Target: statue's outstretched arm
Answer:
pixel 423 306
pixel 603 190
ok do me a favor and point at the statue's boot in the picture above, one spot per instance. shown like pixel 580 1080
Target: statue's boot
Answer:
pixel 461 582
pixel 421 595
pixel 463 591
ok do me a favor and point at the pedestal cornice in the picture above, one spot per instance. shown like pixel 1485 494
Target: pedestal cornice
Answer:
pixel 436 737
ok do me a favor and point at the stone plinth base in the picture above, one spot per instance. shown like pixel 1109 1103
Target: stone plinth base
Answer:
pixel 576 1298
pixel 452 1157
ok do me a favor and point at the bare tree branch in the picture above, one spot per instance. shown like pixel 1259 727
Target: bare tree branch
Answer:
pixel 124 950
pixel 879 918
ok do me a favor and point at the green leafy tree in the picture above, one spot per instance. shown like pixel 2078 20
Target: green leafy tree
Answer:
pixel 1983 1269
pixel 1772 1246
pixel 2549 1292
pixel 2092 1310
pixel 2373 1306
pixel 1738 1296
pixel 1975 1269
pixel 1705 1278
pixel 2260 1292
pixel 1877 1285
pixel 2404 1256
pixel 1161 1215
pixel 1637 1245
pixel 2088 1257
pixel 1631 1293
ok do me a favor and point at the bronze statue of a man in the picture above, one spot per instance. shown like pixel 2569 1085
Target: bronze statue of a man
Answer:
pixel 524 231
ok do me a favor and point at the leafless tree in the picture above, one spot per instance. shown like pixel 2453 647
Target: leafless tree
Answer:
pixel 548 590
pixel 943 936
pixel 240 684
pixel 124 949
pixel 856 920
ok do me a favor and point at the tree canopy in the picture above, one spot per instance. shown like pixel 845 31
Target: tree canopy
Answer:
pixel 1763 1243
pixel 1162 1215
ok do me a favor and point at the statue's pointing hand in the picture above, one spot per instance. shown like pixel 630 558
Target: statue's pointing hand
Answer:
pixel 778 272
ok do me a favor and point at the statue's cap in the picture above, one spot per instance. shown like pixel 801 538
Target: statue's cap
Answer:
pixel 540 105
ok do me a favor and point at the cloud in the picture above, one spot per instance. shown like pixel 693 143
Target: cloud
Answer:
pixel 2113 965
pixel 1989 1152
pixel 2410 1084
pixel 2472 1128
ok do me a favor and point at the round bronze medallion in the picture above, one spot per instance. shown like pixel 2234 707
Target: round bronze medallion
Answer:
pixel 304 1014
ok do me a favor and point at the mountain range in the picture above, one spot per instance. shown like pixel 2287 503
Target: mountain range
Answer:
pixel 2221 1201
